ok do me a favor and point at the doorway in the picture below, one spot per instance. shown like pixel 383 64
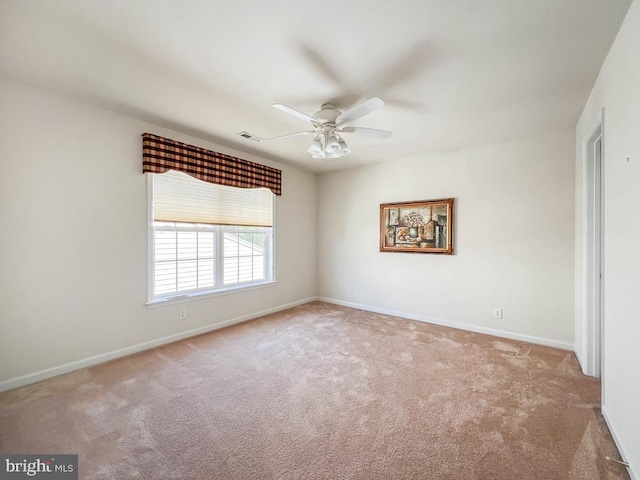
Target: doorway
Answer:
pixel 594 295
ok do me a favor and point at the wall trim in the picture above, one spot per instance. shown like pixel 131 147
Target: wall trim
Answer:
pixel 458 325
pixel 593 251
pixel 616 440
pixel 123 352
pixel 580 361
pixel 107 356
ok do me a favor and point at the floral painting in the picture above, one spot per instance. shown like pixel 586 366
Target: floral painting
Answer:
pixel 417 227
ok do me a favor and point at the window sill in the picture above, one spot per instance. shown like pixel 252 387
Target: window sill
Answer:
pixel 189 297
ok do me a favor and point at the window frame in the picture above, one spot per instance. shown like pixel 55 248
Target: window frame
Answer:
pixel 180 297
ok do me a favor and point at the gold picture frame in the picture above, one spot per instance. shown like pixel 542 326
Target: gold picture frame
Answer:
pixel 417 227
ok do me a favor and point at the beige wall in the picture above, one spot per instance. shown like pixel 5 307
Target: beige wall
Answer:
pixel 513 239
pixel 73 248
pixel 618 92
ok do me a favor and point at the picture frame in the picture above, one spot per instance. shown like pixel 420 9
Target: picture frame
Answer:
pixel 417 227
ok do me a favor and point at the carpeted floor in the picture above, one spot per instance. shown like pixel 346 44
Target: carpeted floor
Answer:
pixel 322 392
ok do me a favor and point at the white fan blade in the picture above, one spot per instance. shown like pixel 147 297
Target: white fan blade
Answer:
pixel 309 132
pixel 367 132
pixel 359 110
pixel 296 113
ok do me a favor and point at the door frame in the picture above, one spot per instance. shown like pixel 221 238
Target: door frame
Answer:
pixel 594 324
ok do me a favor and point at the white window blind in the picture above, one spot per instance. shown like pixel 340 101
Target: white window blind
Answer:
pixel 184 258
pixel 178 197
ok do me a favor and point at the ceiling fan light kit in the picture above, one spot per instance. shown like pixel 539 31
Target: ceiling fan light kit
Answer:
pixel 316 147
pixel 328 125
pixel 325 146
pixel 343 147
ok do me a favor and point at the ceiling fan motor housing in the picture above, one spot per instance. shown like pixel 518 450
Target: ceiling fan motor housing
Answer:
pixel 327 113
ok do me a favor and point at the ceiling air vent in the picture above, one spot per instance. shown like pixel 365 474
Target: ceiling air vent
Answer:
pixel 249 136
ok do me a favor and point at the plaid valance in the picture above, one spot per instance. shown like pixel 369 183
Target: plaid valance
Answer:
pixel 160 154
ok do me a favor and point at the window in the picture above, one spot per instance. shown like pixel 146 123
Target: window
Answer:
pixel 207 238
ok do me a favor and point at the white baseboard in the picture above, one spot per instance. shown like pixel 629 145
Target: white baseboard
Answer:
pixel 105 357
pixel 580 361
pixel 460 326
pixel 616 439
pixel 122 352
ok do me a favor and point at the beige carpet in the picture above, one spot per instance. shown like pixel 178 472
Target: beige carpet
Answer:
pixel 322 392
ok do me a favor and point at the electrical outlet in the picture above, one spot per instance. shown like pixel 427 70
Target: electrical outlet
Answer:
pixel 497 313
pixel 183 314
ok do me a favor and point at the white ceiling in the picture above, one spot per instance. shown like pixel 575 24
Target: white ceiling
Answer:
pixel 454 73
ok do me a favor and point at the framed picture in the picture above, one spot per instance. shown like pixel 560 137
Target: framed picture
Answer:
pixel 417 227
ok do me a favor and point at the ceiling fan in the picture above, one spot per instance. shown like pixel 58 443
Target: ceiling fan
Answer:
pixel 329 124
